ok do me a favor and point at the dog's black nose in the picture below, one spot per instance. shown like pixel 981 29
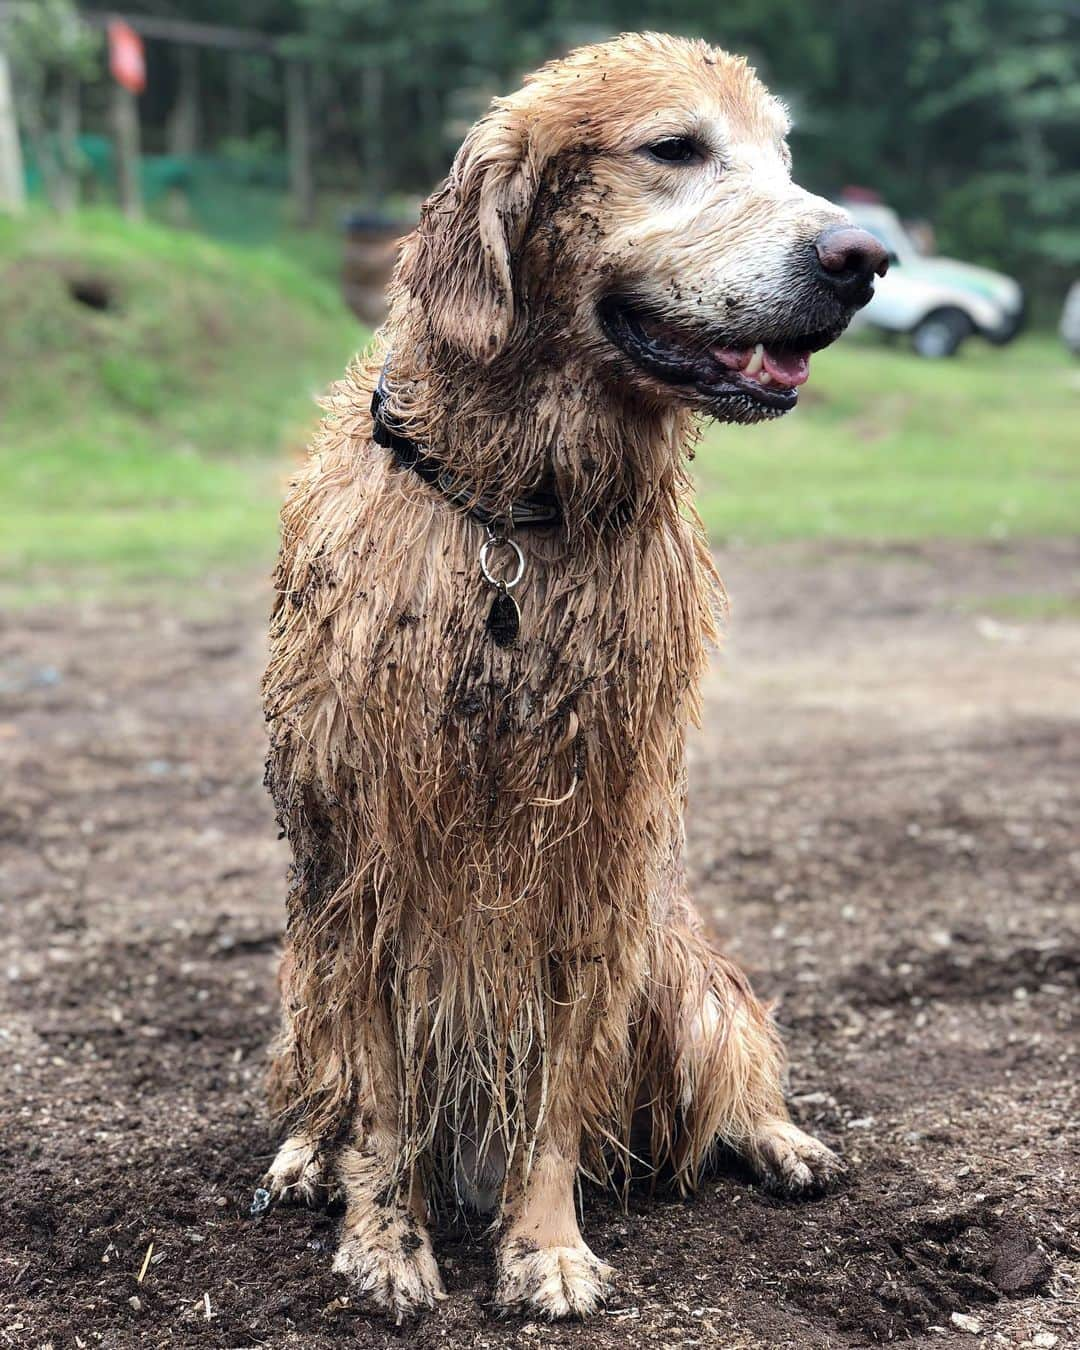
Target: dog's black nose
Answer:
pixel 849 258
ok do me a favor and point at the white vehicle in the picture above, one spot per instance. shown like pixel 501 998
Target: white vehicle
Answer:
pixel 938 301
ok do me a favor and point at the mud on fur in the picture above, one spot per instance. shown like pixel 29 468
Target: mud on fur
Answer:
pixel 494 978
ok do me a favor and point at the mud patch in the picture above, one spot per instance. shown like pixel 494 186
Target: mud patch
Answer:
pixel 967 971
pixel 905 1273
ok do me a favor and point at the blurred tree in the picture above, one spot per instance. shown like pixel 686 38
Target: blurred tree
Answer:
pixel 998 101
pixel 963 111
pixel 50 53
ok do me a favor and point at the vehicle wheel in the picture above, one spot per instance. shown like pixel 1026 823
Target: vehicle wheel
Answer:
pixel 940 333
pixel 1011 328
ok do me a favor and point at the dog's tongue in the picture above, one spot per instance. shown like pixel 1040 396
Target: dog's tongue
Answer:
pixel 790 368
pixel 787 368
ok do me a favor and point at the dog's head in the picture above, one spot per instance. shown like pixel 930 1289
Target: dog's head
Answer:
pixel 635 202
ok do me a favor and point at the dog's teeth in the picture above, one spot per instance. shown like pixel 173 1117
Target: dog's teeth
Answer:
pixel 756 361
pixel 764 378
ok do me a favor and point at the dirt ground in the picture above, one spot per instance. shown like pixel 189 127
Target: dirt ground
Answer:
pixel 883 823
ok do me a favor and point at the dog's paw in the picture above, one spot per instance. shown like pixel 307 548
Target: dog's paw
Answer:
pixel 551 1282
pixel 792 1163
pixel 394 1270
pixel 298 1175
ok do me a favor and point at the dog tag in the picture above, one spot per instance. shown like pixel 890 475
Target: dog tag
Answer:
pixel 504 619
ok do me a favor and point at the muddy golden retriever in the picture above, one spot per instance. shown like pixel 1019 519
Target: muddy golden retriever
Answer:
pixel 494 607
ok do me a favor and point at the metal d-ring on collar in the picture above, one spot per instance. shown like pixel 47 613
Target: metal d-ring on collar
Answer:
pixel 494 540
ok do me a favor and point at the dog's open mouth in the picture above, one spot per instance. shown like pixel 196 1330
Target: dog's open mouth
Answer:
pixel 712 367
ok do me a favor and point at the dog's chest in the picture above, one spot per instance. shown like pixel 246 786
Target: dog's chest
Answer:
pixel 592 695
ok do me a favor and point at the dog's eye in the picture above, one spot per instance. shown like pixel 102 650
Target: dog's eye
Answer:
pixel 675 150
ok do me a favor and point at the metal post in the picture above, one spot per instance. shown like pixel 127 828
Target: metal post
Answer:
pixel 238 125
pixel 68 137
pixel 371 78
pixel 12 180
pixel 298 135
pixel 126 134
pixel 184 117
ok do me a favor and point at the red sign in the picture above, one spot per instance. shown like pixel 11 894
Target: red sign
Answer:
pixel 126 60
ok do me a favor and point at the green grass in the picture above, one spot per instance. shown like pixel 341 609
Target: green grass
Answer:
pixel 886 446
pixel 147 442
pixel 1030 607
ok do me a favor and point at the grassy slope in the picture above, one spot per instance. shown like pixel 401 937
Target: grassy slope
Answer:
pixel 148 441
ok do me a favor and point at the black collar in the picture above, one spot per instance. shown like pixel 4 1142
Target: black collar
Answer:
pixel 536 509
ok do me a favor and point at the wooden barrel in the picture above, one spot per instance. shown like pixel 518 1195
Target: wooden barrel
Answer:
pixel 370 250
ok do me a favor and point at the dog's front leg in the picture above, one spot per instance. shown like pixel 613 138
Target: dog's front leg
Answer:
pixel 545 1267
pixel 384 1248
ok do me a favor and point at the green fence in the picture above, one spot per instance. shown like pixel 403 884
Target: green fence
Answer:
pixel 241 197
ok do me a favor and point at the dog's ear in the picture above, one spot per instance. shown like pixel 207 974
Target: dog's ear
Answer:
pixel 460 263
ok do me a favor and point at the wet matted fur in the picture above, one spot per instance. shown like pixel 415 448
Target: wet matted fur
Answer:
pixel 494 975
